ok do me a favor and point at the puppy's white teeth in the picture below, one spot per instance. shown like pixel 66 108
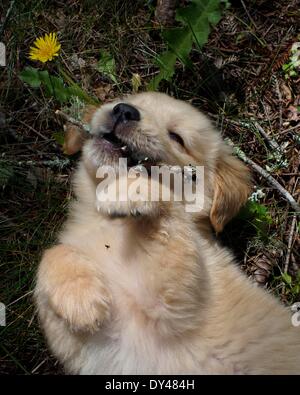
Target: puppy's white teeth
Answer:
pixel 138 168
pixel 176 169
pixel 140 161
pixel 124 148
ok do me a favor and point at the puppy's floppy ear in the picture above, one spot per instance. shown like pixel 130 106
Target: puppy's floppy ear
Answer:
pixel 89 111
pixel 74 135
pixel 232 185
pixel 73 139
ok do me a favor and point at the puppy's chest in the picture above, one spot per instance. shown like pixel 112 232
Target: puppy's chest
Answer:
pixel 135 287
pixel 136 281
pixel 132 273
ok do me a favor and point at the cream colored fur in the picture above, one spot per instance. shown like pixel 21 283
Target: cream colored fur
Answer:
pixel 156 293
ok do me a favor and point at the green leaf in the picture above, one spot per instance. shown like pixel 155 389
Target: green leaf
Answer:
pixel 166 62
pixel 54 86
pixel 197 19
pixel 107 65
pixel 260 211
pixel 258 216
pixel 287 278
pixel 45 79
pixel 296 289
pixel 199 16
pixel 60 92
pixel 30 75
pixel 180 42
pixel 286 66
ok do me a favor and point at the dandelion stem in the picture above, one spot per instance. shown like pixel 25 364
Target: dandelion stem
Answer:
pixel 79 91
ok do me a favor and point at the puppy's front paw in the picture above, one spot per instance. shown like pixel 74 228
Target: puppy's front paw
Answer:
pixel 128 208
pixel 83 302
pixel 127 197
pixel 69 283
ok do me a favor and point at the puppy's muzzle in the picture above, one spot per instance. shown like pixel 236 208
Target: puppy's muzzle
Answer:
pixel 123 113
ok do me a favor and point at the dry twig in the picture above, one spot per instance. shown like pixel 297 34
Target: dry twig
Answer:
pixel 290 241
pixel 6 18
pixel 280 102
pixel 272 143
pixel 72 120
pixel 271 180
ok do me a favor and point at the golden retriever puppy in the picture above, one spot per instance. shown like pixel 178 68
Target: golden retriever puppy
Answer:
pixel 142 287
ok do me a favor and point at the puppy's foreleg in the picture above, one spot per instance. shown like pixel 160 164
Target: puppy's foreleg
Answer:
pixel 68 284
pixel 130 197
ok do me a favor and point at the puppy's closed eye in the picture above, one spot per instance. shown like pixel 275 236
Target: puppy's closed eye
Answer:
pixel 176 137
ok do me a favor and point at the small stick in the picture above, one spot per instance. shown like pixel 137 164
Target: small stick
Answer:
pixel 34 130
pixel 271 180
pixel 288 255
pixel 272 143
pixel 72 120
pixel 289 129
pixel 249 16
pixel 11 6
pixel 280 102
pixel 38 366
pixel 60 163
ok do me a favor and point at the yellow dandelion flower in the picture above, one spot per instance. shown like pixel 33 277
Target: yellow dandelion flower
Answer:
pixel 45 48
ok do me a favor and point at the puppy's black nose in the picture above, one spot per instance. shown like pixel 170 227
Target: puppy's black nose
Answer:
pixel 123 112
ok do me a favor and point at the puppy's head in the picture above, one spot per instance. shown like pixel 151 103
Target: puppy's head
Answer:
pixel 155 129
